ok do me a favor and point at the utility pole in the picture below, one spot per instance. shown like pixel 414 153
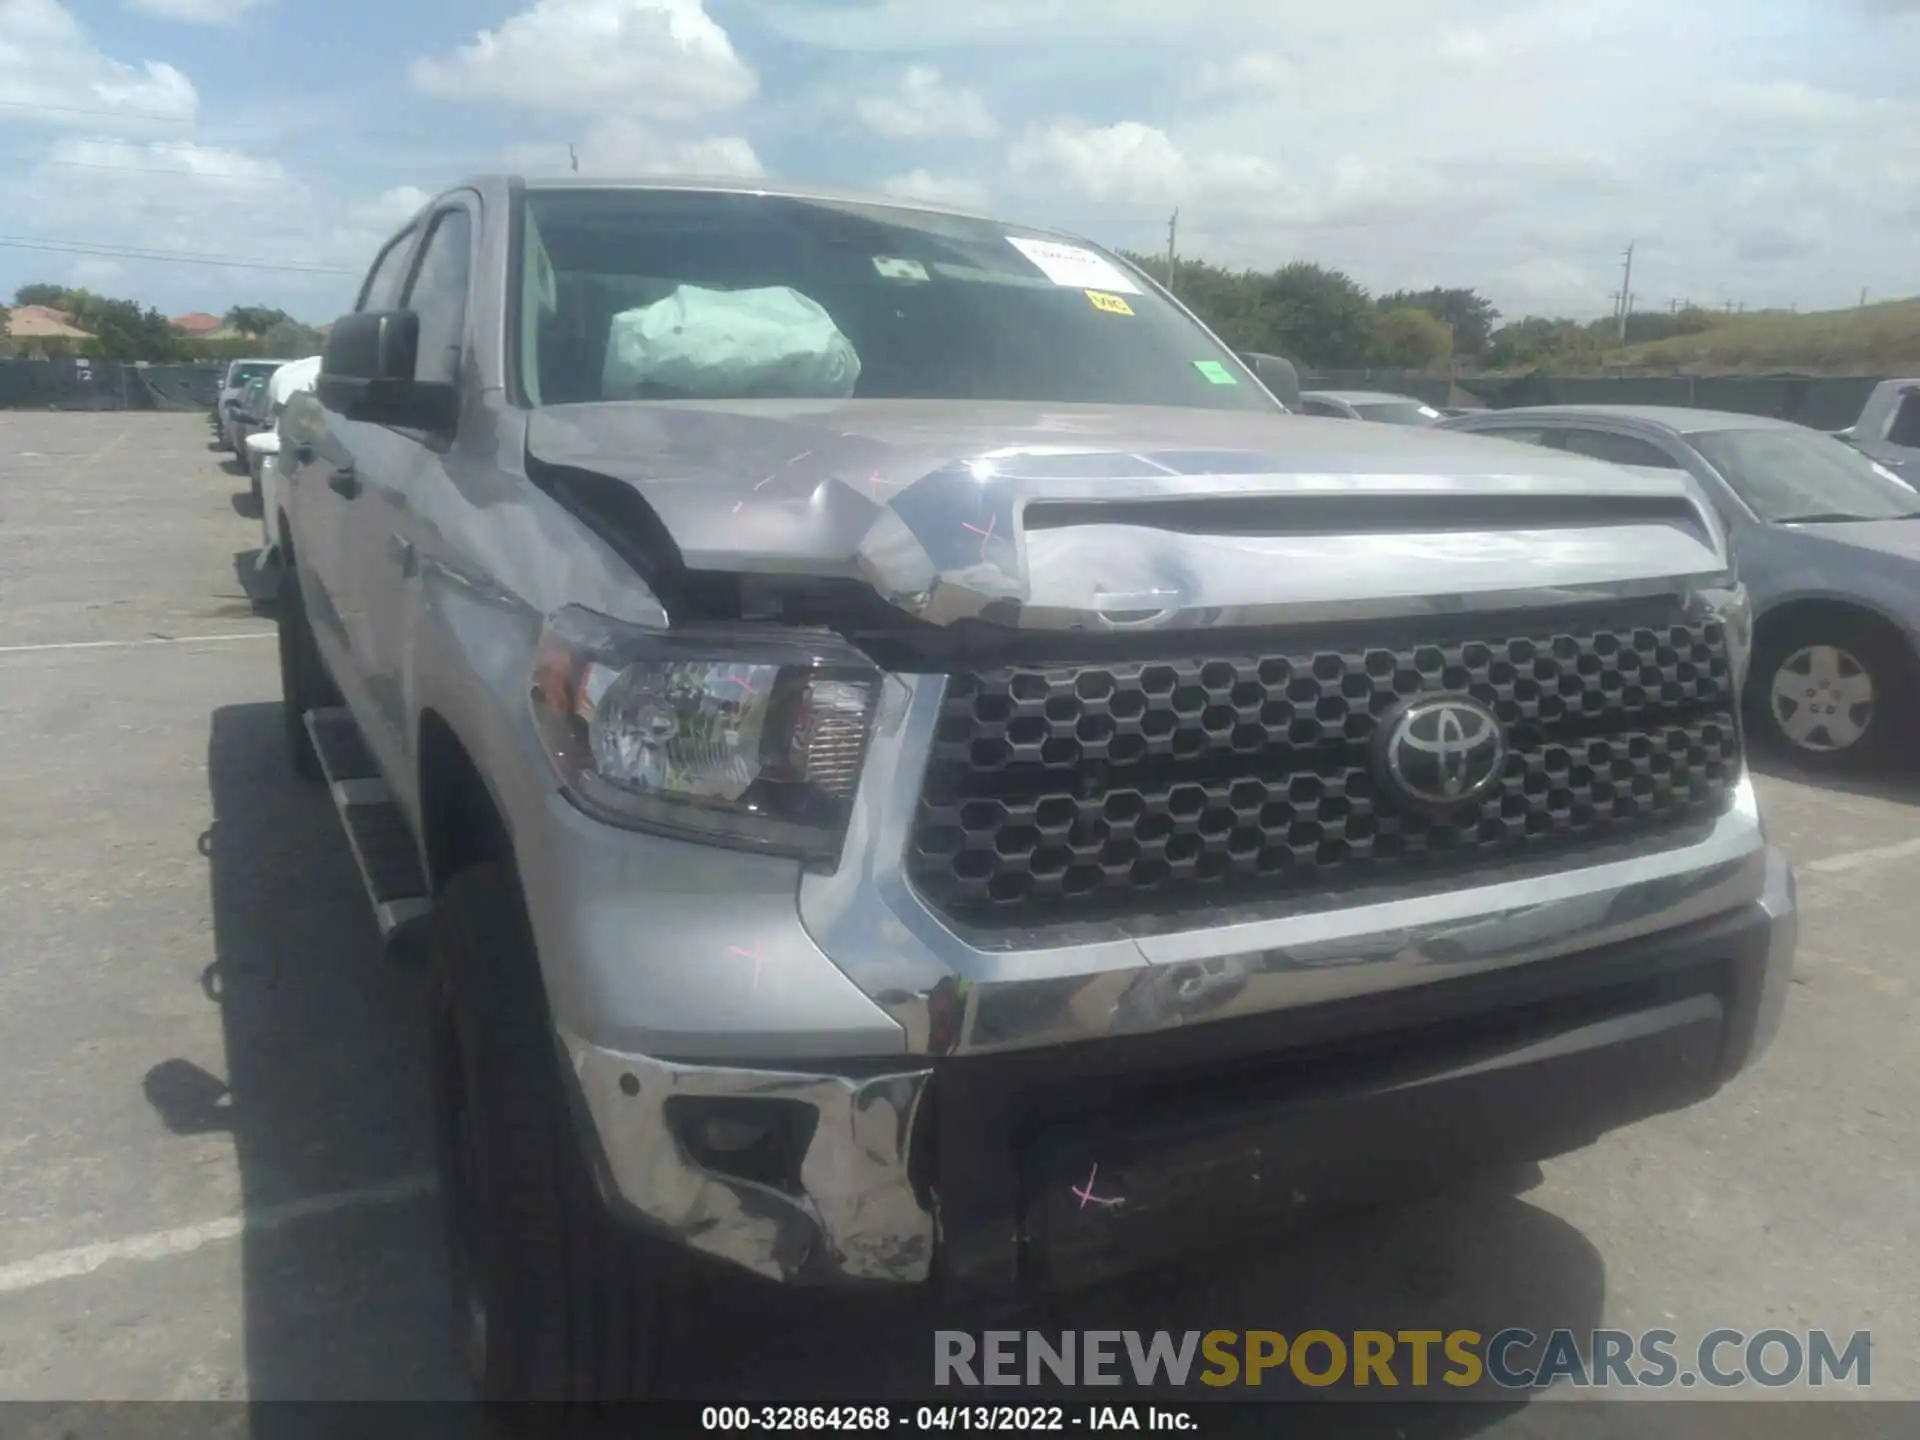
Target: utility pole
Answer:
pixel 1863 297
pixel 1626 293
pixel 1173 226
pixel 573 157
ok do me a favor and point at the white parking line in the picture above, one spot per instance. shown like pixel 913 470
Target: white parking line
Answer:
pixel 134 644
pixel 85 1259
pixel 1855 859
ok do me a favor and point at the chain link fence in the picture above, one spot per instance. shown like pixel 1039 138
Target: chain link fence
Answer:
pixel 107 385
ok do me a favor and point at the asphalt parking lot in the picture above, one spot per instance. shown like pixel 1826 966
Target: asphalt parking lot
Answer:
pixel 214 1155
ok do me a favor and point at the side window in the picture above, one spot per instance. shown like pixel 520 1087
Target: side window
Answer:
pixel 438 296
pixel 1905 429
pixel 1617 449
pixel 1519 435
pixel 382 290
pixel 1319 407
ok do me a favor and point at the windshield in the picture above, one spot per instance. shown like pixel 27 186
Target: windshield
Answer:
pixel 1408 412
pixel 1786 475
pixel 639 294
pixel 245 375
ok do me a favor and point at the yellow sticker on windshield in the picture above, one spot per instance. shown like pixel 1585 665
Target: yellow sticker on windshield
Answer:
pixel 1112 304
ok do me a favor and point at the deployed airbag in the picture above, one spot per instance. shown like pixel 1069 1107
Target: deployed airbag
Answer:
pixel 771 343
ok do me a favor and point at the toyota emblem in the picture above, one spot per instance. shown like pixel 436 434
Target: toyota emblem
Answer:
pixel 1443 750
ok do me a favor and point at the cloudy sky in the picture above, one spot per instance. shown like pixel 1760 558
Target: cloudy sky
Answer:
pixel 1758 153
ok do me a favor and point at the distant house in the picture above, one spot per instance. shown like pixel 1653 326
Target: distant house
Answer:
pixel 38 331
pixel 201 326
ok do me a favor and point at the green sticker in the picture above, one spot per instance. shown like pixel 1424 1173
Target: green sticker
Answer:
pixel 1216 373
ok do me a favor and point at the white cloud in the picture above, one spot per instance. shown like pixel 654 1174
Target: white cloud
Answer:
pixel 622 146
pixel 954 190
pixel 390 209
pixel 175 197
pixel 921 105
pixel 907 25
pixel 52 73
pixel 197 12
pixel 666 59
pixel 1409 150
pixel 1128 161
pixel 180 160
pixel 1256 70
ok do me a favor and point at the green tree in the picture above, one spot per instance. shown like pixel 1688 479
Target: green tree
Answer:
pixel 1410 338
pixel 1547 343
pixel 1317 317
pixel 1468 314
pixel 54 297
pixel 121 330
pixel 290 340
pixel 6 323
pixel 255 320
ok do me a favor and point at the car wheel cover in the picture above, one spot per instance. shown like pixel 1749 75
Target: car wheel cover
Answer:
pixel 1822 698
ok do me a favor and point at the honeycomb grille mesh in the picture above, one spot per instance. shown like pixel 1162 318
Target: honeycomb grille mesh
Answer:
pixel 1065 792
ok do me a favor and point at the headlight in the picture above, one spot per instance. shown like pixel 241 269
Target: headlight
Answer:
pixel 736 735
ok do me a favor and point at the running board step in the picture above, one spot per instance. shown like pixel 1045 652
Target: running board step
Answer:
pixel 383 847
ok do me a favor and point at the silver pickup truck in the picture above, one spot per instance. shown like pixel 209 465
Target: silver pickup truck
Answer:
pixel 912 768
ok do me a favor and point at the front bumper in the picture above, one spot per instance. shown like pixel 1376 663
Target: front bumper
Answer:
pixel 997 1171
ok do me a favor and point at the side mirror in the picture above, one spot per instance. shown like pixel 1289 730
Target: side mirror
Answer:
pixel 367 373
pixel 1279 376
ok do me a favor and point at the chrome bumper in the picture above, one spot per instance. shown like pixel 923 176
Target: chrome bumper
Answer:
pixel 857 1216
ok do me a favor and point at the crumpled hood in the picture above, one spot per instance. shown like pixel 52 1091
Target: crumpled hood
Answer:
pixel 1066 516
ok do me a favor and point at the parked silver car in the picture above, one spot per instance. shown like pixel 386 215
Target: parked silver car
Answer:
pixel 1827 541
pixel 1375 405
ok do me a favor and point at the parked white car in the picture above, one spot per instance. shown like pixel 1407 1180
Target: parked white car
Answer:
pixel 240 374
pixel 263 450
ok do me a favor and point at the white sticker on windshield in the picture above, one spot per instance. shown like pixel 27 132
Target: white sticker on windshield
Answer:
pixel 893 268
pixel 1074 266
pixel 1429 412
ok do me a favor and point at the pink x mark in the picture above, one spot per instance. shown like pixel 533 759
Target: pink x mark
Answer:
pixel 1085 1192
pixel 985 535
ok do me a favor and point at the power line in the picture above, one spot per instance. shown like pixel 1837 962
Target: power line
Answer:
pixel 107 114
pixel 127 252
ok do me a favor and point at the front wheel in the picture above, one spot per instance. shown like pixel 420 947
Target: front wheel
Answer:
pixel 1831 695
pixel 553 1299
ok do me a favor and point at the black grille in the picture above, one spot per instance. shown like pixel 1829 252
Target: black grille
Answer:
pixel 1072 791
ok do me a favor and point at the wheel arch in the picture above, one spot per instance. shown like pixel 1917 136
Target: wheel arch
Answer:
pixel 1834 609
pixel 462 823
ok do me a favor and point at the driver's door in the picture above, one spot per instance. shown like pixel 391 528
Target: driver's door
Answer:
pixel 323 485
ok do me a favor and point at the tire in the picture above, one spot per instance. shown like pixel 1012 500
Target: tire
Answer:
pixel 1832 693
pixel 304 683
pixel 553 1299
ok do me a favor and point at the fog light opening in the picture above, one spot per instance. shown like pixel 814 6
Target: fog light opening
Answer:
pixel 762 1141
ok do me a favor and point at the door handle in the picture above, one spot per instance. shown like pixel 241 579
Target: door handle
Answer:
pixel 343 481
